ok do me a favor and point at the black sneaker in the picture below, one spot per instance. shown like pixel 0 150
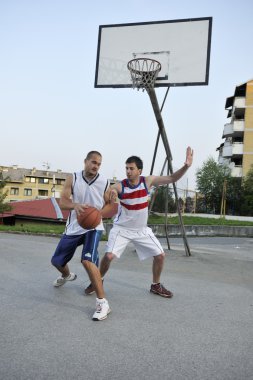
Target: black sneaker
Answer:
pixel 161 290
pixel 89 290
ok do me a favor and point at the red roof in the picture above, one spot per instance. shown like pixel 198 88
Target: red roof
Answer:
pixel 39 208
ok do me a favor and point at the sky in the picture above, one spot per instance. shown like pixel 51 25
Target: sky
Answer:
pixel 51 114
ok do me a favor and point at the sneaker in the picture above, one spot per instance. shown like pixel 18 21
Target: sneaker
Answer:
pixel 161 290
pixel 102 310
pixel 61 280
pixel 90 289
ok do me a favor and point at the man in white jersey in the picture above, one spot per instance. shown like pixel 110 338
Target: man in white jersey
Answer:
pixel 81 190
pixel 130 224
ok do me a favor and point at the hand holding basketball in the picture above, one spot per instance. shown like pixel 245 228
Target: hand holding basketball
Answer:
pixel 89 218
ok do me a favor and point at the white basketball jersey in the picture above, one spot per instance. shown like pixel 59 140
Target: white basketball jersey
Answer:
pixel 91 193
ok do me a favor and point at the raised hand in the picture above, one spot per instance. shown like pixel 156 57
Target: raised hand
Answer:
pixel 189 156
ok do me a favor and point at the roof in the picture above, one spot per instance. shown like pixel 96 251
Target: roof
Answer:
pixel 6 215
pixel 40 208
pixel 16 174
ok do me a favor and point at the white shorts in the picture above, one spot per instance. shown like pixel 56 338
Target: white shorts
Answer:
pixel 144 241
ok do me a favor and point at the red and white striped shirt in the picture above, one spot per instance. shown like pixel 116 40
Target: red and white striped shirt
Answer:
pixel 133 210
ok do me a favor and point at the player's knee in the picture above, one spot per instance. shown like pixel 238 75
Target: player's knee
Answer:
pixel 57 263
pixel 54 262
pixel 86 263
pixel 160 258
pixel 109 256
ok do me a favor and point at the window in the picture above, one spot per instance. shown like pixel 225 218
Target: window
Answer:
pixel 30 179
pixel 14 190
pixel 43 193
pixel 60 181
pixel 27 192
pixel 43 180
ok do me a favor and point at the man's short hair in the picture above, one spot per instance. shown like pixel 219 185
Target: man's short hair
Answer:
pixel 90 154
pixel 135 159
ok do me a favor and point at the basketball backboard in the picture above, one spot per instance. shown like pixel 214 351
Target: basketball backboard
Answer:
pixel 181 46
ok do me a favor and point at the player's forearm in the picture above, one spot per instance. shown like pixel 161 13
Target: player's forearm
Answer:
pixel 179 173
pixel 67 204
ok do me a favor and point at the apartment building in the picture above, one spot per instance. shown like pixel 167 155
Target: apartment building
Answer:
pixel 27 184
pixel 237 149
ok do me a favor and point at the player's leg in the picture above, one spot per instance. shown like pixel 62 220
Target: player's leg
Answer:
pixel 106 262
pixel 114 248
pixel 147 245
pixel 116 244
pixel 102 305
pixel 90 249
pixel 62 255
pixel 104 266
pixel 95 278
pixel 157 267
pixel 90 259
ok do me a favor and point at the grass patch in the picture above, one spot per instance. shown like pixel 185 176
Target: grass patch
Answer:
pixel 38 228
pixel 58 229
pixel 198 221
pixel 43 228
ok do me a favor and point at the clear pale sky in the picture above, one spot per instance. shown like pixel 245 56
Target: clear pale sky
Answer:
pixel 51 112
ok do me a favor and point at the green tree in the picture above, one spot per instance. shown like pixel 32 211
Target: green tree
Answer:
pixel 247 191
pixel 210 181
pixel 234 195
pixel 160 199
pixel 3 194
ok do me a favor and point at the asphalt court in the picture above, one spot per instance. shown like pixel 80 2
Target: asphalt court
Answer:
pixel 204 332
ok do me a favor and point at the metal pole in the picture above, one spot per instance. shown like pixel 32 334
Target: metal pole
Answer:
pixel 166 205
pixel 166 212
pixel 155 105
pixel 158 135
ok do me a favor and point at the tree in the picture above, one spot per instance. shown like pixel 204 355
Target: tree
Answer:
pixel 160 199
pixel 210 182
pixel 247 190
pixel 189 204
pixel 234 195
pixel 3 194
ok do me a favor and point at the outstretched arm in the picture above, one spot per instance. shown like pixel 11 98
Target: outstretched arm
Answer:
pixel 164 180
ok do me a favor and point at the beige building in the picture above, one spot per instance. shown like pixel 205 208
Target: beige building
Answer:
pixel 26 184
pixel 237 149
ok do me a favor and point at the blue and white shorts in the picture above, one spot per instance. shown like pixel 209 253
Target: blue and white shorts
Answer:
pixel 69 243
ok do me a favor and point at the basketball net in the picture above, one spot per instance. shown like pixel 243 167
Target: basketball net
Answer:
pixel 144 72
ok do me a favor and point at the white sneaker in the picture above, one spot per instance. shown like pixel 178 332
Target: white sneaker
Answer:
pixel 61 280
pixel 102 309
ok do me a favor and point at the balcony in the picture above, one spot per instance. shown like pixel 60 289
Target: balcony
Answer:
pixel 223 161
pixel 228 130
pixel 237 148
pixel 233 129
pixel 236 171
pixel 227 150
pixel 238 126
pixel 232 149
pixel 239 102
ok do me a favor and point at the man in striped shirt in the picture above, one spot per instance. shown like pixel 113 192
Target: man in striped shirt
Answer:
pixel 130 224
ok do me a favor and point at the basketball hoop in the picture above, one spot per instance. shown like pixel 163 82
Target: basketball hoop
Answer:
pixel 144 72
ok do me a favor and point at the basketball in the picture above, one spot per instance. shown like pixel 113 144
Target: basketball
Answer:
pixel 89 218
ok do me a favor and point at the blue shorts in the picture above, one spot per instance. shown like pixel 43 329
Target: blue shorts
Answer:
pixel 69 243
